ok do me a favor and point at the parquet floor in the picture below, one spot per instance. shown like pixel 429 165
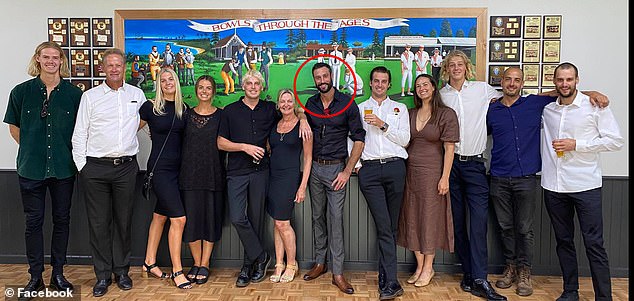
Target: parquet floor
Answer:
pixel 221 286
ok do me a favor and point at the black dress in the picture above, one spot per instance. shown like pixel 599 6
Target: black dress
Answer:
pixel 202 178
pixel 165 180
pixel 284 173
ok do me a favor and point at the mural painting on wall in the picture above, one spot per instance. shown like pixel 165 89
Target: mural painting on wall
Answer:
pixel 196 47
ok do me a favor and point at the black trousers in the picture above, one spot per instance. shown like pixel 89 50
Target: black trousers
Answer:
pixel 382 186
pixel 109 194
pixel 34 203
pixel 246 197
pixel 561 208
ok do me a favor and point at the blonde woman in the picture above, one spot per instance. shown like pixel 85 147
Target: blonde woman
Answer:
pixel 165 117
pixel 287 184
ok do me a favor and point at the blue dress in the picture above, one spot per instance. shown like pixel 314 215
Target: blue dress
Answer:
pixel 165 179
pixel 284 173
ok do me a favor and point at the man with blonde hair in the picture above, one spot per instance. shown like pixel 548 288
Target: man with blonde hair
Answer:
pixel 468 182
pixel 41 115
pixel 104 150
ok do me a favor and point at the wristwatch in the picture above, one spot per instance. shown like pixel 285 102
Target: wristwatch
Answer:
pixel 384 126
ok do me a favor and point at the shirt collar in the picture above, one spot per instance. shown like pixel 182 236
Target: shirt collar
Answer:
pixel 576 102
pixel 107 88
pixel 376 103
pixel 465 84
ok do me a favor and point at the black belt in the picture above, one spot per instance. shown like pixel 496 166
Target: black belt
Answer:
pixel 478 158
pixel 114 160
pixel 328 162
pixel 380 161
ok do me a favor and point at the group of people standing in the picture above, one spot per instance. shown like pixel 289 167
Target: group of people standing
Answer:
pixel 420 170
pixel 182 62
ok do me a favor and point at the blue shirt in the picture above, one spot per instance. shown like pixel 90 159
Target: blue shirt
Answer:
pixel 516 136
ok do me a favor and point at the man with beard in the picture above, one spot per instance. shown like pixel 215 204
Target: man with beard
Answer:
pixel 330 172
pixel 514 123
pixel 575 133
pixel 168 57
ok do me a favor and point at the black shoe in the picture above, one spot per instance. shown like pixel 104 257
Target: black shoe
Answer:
pixel 244 278
pixel 34 285
pixel 101 287
pixel 381 281
pixel 569 296
pixel 260 268
pixel 391 290
pixel 124 281
pixel 482 288
pixel 467 283
pixel 59 283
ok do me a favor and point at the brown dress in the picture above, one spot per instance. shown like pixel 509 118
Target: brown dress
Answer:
pixel 425 223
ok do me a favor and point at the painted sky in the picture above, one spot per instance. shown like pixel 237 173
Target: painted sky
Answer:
pixel 170 29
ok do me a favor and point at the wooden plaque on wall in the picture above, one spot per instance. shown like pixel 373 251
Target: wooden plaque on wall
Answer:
pixel 58 31
pixel 83 84
pixel 506 26
pixel 80 63
pixel 96 62
pixel 102 32
pixel 504 50
pixel 79 32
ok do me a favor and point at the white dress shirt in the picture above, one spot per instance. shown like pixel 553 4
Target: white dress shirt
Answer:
pixel 107 123
pixel 422 57
pixel 351 59
pixel 335 63
pixel 407 58
pixel 471 104
pixel 594 129
pixel 391 143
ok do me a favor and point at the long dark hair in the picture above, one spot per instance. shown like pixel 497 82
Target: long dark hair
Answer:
pixel 436 101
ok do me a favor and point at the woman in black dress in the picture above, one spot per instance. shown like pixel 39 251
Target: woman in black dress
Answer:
pixel 202 179
pixel 166 118
pixel 287 186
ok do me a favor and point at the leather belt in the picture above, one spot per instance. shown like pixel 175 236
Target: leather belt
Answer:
pixel 115 160
pixel 380 161
pixel 478 158
pixel 328 162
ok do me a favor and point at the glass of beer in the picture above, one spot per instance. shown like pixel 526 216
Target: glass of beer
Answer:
pixel 560 154
pixel 367 111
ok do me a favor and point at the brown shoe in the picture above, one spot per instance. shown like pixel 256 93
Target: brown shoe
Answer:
pixel 508 277
pixel 317 270
pixel 342 284
pixel 524 286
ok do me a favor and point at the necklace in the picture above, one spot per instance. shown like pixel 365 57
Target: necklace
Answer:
pixel 288 131
pixel 282 136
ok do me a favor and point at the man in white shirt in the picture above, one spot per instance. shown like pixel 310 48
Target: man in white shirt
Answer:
pixel 407 58
pixel 468 182
pixel 335 65
pixel 349 83
pixel 575 132
pixel 381 172
pixel 421 59
pixel 351 59
pixel 104 149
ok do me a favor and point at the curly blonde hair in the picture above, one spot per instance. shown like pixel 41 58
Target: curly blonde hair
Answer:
pixel 469 68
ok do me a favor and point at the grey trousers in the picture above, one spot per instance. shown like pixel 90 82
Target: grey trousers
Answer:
pixel 327 229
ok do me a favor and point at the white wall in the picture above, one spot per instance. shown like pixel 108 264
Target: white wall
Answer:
pixel 594 37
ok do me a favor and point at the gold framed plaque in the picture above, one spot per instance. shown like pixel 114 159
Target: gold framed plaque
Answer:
pixel 79 62
pixel 97 81
pixel 506 26
pixel 532 27
pixel 79 32
pixel 545 90
pixel 551 52
pixel 531 75
pixel 504 51
pixel 531 51
pixel 496 72
pixel 58 31
pixel 102 32
pixel 548 74
pixel 83 84
pixel 552 27
pixel 528 91
pixel 96 62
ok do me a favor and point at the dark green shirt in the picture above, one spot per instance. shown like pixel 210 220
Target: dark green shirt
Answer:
pixel 45 143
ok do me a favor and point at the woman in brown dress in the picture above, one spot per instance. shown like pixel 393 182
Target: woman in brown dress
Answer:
pixel 425 223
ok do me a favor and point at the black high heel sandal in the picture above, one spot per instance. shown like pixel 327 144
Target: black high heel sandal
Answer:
pixel 147 272
pixel 193 272
pixel 204 272
pixel 185 285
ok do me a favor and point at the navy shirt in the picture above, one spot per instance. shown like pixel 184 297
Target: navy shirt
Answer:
pixel 515 131
pixel 240 124
pixel 330 134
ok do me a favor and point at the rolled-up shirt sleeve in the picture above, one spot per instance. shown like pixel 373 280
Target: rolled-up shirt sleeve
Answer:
pixel 357 133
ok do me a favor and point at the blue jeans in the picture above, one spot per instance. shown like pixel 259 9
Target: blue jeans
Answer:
pixel 514 202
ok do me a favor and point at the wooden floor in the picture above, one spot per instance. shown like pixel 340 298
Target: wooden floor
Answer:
pixel 221 286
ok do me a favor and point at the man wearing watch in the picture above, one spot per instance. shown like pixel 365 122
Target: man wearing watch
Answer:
pixel 381 172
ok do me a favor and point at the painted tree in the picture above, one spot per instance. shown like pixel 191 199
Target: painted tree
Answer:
pixel 459 33
pixel 404 31
pixel 445 29
pixel 433 33
pixel 472 32
pixel 290 39
pixel 334 38
pixel 301 38
pixel 357 44
pixel 343 41
pixel 215 37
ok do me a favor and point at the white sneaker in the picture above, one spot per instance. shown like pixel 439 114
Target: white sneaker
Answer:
pixel 410 93
pixel 402 94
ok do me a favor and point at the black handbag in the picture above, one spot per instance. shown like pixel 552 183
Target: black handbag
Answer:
pixel 147 179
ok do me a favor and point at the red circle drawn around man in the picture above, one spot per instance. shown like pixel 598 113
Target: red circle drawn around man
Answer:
pixel 317 114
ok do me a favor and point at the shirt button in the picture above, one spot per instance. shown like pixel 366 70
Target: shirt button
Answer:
pixel 49 136
pixel 49 124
